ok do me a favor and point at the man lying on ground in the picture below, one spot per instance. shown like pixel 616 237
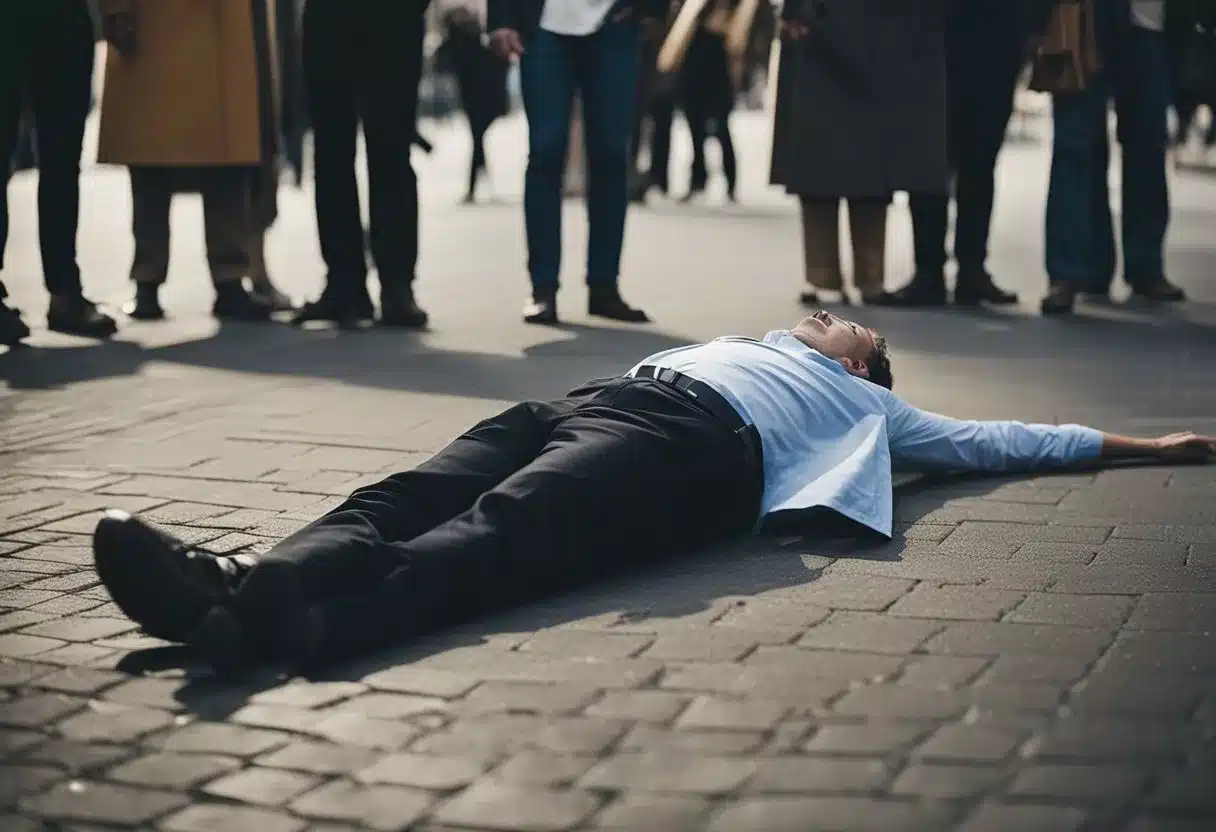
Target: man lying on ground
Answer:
pixel 692 446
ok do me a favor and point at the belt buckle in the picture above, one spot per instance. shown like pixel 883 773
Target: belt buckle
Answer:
pixel 666 375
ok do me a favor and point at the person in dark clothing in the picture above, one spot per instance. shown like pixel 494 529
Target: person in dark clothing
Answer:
pixel 362 65
pixel 707 97
pixel 46 57
pixel 985 53
pixel 564 46
pixel 481 77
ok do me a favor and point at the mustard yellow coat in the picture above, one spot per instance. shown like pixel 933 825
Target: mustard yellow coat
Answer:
pixel 189 96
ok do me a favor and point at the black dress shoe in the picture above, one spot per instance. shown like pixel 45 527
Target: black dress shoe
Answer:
pixel 146 305
pixel 608 303
pixel 263 289
pixel 74 315
pixel 918 292
pixel 159 582
pixel 399 309
pixel 973 289
pixel 542 309
pixel 233 302
pixel 1060 300
pixel 1159 289
pixel 332 308
pixel 12 329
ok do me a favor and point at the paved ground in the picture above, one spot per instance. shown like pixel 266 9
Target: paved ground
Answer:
pixel 1027 654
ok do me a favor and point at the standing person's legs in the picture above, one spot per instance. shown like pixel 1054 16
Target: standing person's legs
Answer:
pixel 547 81
pixel 14 59
pixel 662 115
pixel 330 51
pixel 606 67
pixel 868 228
pixel 388 72
pixel 151 199
pixel 60 84
pixel 477 165
pixel 930 223
pixel 636 473
pixel 698 133
pixel 228 223
pixel 1079 234
pixel 821 246
pixel 1141 81
pixel 730 164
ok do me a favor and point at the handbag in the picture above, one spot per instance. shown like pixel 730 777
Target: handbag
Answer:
pixel 1066 60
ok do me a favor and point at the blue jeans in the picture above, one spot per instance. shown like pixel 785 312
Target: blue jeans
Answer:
pixel 1080 233
pixel 603 67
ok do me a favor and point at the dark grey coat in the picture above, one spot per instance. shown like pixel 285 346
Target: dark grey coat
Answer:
pixel 861 103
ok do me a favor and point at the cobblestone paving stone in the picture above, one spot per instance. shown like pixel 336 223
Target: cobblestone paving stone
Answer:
pixel 1028 653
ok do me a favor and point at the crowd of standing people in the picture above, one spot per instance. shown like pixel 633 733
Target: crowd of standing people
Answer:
pixel 873 98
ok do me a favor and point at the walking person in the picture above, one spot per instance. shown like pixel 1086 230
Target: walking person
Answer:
pixel 179 124
pixel 861 113
pixel 707 97
pixel 1135 72
pixel 985 53
pixel 590 47
pixel 481 77
pixel 46 58
pixel 688 448
pixel 362 66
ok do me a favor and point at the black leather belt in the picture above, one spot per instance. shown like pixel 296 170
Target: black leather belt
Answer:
pixel 716 404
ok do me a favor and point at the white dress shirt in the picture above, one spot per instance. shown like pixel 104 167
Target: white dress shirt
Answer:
pixel 574 17
pixel 829 438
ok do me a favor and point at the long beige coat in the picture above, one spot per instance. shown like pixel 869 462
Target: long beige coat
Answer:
pixel 189 96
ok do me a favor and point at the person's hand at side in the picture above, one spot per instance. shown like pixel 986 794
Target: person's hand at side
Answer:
pixel 506 43
pixel 1174 447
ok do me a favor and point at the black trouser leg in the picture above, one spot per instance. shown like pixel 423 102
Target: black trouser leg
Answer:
pixel 698 128
pixel 478 162
pixel 151 199
pixel 635 472
pixel 662 114
pixel 983 63
pixel 386 85
pixel 356 543
pixel 730 166
pixel 930 216
pixel 49 48
pixel 330 52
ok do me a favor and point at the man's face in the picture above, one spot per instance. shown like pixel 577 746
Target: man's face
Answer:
pixel 849 343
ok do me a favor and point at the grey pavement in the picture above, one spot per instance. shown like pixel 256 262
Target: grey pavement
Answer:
pixel 1029 653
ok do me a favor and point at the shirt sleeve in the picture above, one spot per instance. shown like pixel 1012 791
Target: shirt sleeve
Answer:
pixel 923 439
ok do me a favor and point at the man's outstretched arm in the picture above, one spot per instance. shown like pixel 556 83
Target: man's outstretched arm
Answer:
pixel 928 440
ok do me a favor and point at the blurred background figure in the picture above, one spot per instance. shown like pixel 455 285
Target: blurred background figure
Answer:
pixel 362 66
pixel 180 124
pixel 860 114
pixel 1191 31
pixel 46 64
pixel 653 114
pixel 707 96
pixel 985 52
pixel 293 97
pixel 1133 68
pixel 481 78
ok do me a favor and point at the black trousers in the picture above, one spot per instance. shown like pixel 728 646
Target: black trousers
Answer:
pixel 985 45
pixel 46 58
pixel 539 497
pixel 362 64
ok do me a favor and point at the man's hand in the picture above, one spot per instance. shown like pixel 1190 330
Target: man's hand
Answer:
pixel 1185 447
pixel 119 30
pixel 506 43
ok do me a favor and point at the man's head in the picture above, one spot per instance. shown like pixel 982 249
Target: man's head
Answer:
pixel 860 350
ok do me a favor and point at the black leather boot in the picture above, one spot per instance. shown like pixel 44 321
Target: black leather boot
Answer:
pixel 75 315
pixel 606 302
